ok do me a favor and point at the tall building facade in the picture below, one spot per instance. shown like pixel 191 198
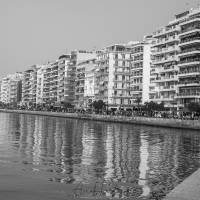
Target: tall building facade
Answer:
pixel 113 76
pixel 140 70
pixel 11 88
pixel 189 59
pixel 176 60
pixel 165 61
pixel 83 82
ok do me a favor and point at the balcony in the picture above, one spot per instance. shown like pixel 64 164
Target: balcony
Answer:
pixel 169 69
pixel 164 60
pixel 139 91
pixel 189 83
pixel 136 84
pixel 166 31
pixel 190 20
pixel 165 50
pixel 193 61
pixel 136 68
pixel 172 39
pixel 189 51
pixel 188 95
pixel 155 71
pixel 188 41
pixel 137 75
pixel 168 88
pixel 189 30
pixel 120 80
pixel 166 78
pixel 121 72
pixel 189 73
pixel 163 98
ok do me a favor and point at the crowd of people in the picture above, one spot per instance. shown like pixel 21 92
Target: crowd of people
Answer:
pixel 107 111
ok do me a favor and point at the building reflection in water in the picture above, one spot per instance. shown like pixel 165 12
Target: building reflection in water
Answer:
pixel 143 167
pixel 154 159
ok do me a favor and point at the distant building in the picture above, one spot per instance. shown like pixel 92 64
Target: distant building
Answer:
pixel 11 88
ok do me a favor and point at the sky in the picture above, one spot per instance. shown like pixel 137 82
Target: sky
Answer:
pixel 37 31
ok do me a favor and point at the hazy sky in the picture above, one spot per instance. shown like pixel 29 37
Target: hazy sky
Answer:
pixel 35 31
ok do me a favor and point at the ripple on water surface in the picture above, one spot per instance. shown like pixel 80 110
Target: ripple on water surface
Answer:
pixel 122 161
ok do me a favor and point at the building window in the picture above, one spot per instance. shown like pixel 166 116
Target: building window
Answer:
pixel 116 63
pixel 123 63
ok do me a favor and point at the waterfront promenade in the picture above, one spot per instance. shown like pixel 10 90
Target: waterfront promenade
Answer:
pixel 161 122
pixel 189 189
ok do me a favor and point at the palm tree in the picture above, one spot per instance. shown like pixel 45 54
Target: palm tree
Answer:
pixel 138 100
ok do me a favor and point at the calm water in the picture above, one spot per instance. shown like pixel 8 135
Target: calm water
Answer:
pixel 150 161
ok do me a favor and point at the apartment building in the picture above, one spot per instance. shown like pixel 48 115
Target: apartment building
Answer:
pixel 70 70
pixel 53 80
pixel 46 83
pixel 165 61
pixel 11 88
pixel 90 78
pixel 40 84
pixel 84 82
pixel 176 60
pixel 140 70
pixel 29 85
pixel 113 76
pixel 4 91
pixel 78 57
pixel 15 88
pixel 189 59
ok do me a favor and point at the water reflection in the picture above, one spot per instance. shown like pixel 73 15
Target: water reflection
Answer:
pixel 150 160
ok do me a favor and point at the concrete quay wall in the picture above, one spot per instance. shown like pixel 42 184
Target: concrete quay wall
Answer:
pixel 162 122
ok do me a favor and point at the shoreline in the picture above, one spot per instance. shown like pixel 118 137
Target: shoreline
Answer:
pixel 159 122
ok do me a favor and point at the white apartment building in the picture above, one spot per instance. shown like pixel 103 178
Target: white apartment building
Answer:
pixel 53 81
pixel 11 88
pixel 4 91
pixel 165 61
pixel 40 84
pixel 70 71
pixel 78 57
pixel 189 59
pixel 113 76
pixel 140 70
pixel 84 92
pixel 176 60
pixel 90 78
pixel 29 85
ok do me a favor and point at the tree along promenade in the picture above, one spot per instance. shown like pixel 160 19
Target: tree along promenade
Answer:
pixel 139 120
